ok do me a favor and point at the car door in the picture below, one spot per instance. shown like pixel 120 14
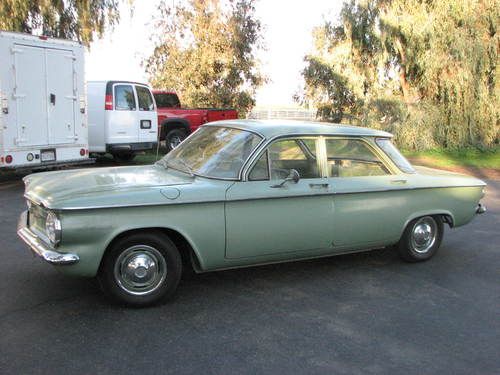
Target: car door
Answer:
pixel 369 199
pixel 265 216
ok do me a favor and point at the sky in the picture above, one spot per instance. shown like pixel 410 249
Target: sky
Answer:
pixel 287 35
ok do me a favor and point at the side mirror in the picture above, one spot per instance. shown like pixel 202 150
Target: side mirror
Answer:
pixel 292 176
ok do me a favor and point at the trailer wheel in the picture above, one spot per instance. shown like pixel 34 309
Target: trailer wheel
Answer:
pixel 124 157
pixel 174 137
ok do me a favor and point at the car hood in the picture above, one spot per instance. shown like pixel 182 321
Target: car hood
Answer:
pixel 109 187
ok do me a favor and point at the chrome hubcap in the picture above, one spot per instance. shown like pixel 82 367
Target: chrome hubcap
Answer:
pixel 140 269
pixel 175 141
pixel 423 235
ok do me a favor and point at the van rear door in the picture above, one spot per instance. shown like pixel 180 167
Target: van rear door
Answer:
pixel 147 119
pixel 30 95
pixel 45 93
pixel 122 121
pixel 61 94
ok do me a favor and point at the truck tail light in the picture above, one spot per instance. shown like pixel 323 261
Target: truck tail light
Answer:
pixel 82 152
pixel 108 103
pixel 8 159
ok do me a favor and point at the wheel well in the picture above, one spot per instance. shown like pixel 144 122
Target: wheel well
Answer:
pixel 447 219
pixel 189 258
pixel 170 125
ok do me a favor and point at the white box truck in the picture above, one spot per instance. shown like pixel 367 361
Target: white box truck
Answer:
pixel 42 116
pixel 122 118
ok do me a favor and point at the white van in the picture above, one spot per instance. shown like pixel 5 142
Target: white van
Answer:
pixel 122 118
pixel 42 115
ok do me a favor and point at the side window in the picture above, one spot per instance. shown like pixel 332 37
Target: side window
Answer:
pixel 124 98
pixel 352 158
pixel 286 154
pixel 145 99
pixel 260 170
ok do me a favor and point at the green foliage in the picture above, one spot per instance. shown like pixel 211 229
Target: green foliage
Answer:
pixel 205 50
pixel 425 70
pixel 69 19
pixel 466 157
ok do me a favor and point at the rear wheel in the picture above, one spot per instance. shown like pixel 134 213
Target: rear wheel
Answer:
pixel 421 239
pixel 174 137
pixel 141 269
pixel 124 157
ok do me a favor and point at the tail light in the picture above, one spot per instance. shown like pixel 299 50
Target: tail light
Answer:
pixel 82 152
pixel 108 103
pixel 8 159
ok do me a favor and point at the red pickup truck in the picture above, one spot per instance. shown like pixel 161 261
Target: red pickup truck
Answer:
pixel 176 123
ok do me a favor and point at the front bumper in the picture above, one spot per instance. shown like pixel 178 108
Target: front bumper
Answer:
pixel 39 247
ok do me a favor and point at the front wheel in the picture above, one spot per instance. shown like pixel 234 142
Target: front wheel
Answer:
pixel 141 269
pixel 421 239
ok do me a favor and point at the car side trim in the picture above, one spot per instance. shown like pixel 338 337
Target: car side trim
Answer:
pixel 332 193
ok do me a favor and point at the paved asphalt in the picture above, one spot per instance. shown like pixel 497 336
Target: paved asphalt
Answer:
pixel 356 314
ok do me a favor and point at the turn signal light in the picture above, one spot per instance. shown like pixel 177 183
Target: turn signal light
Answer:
pixel 8 159
pixel 108 103
pixel 82 152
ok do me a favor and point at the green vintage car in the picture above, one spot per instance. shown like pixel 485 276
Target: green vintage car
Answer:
pixel 241 193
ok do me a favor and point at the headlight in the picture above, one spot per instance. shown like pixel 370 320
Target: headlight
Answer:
pixel 53 228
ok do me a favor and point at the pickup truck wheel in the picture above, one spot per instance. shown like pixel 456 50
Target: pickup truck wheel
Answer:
pixel 141 269
pixel 174 137
pixel 124 157
pixel 421 239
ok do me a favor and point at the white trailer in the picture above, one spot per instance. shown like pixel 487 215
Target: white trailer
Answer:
pixel 42 116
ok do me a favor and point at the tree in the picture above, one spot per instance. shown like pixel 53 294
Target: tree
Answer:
pixel 206 51
pixel 425 69
pixel 69 19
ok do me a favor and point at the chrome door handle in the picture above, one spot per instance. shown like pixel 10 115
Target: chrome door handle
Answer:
pixel 322 185
pixel 402 181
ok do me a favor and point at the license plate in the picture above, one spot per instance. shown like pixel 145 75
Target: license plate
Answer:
pixel 48 155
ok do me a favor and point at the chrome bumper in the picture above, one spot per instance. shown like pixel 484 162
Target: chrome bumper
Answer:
pixel 39 247
pixel 480 209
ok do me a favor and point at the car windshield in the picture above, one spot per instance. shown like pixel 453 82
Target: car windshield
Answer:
pixel 217 152
pixel 391 151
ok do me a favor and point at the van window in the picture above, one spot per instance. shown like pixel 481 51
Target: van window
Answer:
pixel 124 98
pixel 145 99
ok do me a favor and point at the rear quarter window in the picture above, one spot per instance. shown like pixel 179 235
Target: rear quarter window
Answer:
pixel 386 145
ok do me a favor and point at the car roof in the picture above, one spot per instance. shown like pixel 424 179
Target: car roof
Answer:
pixel 276 128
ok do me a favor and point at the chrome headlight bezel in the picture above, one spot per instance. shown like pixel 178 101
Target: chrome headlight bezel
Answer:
pixel 53 228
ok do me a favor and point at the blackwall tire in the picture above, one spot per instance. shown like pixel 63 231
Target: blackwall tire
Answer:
pixel 141 269
pixel 421 239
